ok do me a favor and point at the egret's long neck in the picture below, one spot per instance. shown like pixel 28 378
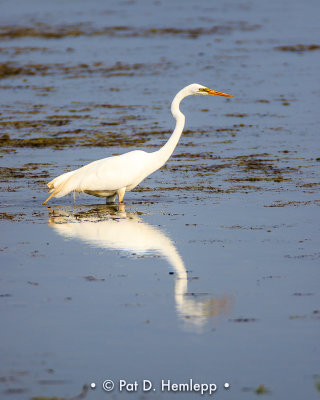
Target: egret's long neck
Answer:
pixel 162 155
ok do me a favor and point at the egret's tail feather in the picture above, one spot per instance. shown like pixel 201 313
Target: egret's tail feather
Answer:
pixel 59 191
pixel 59 186
pixel 59 180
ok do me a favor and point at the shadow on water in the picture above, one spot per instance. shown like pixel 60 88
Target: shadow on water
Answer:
pixel 111 227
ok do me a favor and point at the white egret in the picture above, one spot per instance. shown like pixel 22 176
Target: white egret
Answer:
pixel 113 176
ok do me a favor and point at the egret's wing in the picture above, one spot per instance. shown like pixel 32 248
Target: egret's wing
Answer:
pixel 114 172
pixel 108 174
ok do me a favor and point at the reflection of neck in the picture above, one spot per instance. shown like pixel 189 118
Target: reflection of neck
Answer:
pixel 188 308
pixel 173 257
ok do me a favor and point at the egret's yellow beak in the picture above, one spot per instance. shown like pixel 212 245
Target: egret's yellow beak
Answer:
pixel 216 93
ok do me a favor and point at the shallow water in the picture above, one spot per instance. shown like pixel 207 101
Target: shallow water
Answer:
pixel 210 271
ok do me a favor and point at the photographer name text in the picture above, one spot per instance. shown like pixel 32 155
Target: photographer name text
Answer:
pixel 166 385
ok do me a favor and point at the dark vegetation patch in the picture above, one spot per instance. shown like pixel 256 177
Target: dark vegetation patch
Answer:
pixel 59 139
pixel 39 142
pixel 33 123
pixel 252 163
pixel 294 203
pixel 236 115
pixel 41 30
pixel 22 50
pixel 243 320
pixel 259 390
pixel 32 171
pixel 204 155
pixel 263 101
pixel 12 69
pixel 262 389
pixel 92 278
pixel 82 395
pixel 258 179
pixel 11 217
pixel 314 315
pixel 202 188
pixel 256 167
pixel 260 169
pixel 310 184
pixel 299 294
pixel 299 48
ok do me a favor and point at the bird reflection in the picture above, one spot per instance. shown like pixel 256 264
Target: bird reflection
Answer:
pixel 111 227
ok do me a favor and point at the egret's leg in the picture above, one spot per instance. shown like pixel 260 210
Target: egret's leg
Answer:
pixel 121 193
pixel 111 199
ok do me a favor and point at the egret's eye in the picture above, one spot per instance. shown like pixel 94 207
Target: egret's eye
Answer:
pixel 206 90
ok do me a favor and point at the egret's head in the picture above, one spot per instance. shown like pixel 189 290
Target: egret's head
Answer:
pixel 199 89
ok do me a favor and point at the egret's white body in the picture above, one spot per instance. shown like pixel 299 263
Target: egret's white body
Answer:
pixel 113 176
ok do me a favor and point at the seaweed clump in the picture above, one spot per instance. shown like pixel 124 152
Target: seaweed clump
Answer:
pixel 40 142
pixel 299 48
